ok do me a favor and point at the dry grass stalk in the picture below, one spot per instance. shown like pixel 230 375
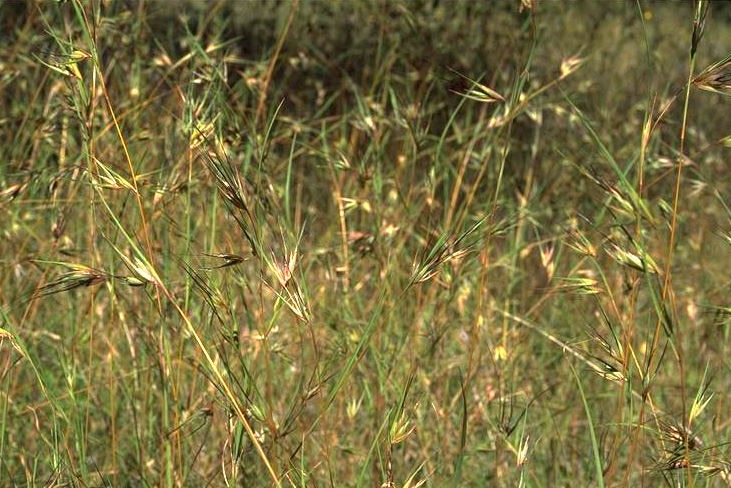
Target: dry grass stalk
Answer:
pixel 212 296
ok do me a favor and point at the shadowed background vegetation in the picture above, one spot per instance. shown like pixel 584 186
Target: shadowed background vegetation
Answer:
pixel 367 243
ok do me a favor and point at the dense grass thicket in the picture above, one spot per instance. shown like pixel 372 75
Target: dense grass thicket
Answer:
pixel 365 243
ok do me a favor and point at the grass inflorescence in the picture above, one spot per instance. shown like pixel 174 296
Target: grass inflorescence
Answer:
pixel 365 243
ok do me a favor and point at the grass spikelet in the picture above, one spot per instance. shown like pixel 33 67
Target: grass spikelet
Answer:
pixel 445 249
pixel 570 65
pixel 232 188
pixel 640 261
pixel 579 242
pixel 228 260
pixel 11 192
pixel 107 178
pixel 480 93
pixel 66 65
pixel 699 25
pixel 287 285
pixel 580 285
pixel 78 276
pixel 716 78
pixel 6 335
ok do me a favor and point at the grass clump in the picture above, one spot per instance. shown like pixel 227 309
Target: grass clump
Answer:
pixel 364 244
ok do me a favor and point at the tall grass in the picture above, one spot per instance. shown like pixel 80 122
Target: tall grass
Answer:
pixel 364 244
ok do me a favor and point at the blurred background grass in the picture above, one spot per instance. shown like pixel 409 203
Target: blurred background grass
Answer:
pixel 300 221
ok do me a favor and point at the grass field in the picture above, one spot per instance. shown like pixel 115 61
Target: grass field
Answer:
pixel 365 243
